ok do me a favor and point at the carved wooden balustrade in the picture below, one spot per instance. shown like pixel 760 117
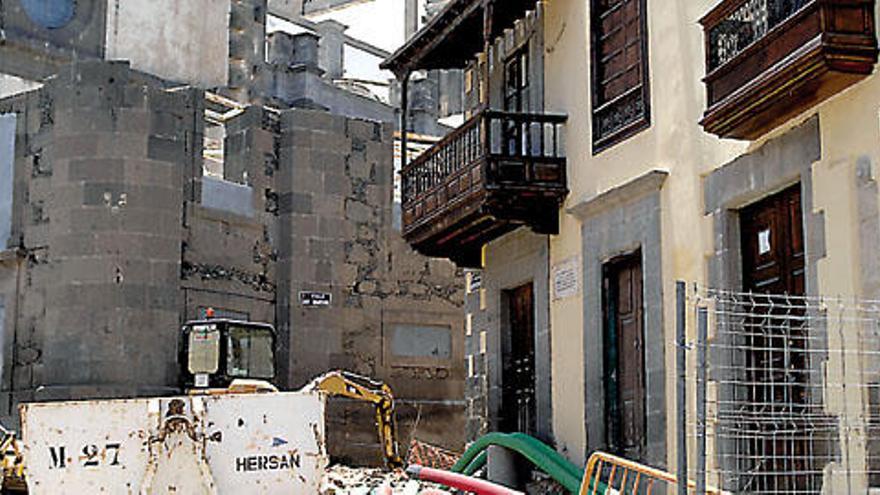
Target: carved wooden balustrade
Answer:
pixel 496 172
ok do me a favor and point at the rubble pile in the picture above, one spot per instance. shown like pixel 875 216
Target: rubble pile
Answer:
pixel 343 480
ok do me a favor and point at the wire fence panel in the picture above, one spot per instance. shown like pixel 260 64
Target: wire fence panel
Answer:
pixel 788 393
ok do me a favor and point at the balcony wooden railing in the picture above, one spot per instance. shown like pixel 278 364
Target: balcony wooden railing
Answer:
pixel 769 60
pixel 497 171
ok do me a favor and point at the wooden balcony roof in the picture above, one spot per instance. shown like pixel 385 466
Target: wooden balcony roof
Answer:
pixel 456 34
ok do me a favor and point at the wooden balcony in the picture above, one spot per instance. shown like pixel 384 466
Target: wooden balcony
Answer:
pixel 493 174
pixel 770 60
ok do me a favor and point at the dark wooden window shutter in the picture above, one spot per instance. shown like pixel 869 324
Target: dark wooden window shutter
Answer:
pixel 620 90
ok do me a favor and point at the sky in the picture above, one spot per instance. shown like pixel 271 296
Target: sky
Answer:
pixel 378 22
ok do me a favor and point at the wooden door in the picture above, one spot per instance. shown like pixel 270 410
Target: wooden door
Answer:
pixel 518 382
pixel 775 338
pixel 773 244
pixel 625 357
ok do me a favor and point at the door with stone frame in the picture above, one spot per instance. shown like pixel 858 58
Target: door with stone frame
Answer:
pixel 777 442
pixel 518 408
pixel 624 357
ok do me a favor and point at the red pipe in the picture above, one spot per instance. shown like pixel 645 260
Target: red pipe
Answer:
pixel 460 481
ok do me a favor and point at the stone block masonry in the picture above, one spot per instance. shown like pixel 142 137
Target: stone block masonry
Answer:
pixel 114 246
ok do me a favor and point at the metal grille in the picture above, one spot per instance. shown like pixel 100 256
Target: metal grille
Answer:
pixel 746 24
pixel 787 392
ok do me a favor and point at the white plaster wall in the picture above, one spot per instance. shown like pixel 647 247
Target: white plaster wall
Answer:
pixel 675 143
pixel 185 41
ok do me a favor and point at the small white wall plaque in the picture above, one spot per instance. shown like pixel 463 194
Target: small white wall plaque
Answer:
pixel 566 278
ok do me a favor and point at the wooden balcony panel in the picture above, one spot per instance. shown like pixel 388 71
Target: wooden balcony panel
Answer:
pixel 495 173
pixel 770 60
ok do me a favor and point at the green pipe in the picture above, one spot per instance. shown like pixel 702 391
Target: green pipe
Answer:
pixel 533 443
pixel 539 454
pixel 551 453
pixel 476 464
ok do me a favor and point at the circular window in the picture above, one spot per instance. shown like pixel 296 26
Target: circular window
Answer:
pixel 51 14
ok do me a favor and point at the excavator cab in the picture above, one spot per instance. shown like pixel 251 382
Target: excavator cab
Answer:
pixel 216 352
pixel 220 356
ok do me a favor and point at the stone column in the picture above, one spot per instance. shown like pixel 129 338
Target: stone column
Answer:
pixel 331 48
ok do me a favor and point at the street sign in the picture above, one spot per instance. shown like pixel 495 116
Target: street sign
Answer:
pixel 315 299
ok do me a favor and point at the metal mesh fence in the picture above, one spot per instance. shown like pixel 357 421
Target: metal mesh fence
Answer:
pixel 787 393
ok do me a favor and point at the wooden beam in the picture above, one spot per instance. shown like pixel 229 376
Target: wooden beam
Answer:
pixel 407 57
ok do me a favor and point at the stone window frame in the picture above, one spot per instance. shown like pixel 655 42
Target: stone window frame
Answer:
pixel 622 221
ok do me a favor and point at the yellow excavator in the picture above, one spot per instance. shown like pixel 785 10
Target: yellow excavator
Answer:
pixel 12 463
pixel 353 386
pixel 229 356
pixel 219 356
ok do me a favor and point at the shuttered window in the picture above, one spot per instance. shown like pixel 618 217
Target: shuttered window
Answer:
pixel 620 93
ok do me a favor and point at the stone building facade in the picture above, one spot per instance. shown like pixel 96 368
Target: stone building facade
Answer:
pixel 138 199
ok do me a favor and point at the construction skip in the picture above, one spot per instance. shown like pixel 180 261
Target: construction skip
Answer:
pixel 204 444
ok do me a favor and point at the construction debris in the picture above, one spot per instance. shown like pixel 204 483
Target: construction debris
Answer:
pixel 343 480
pixel 427 455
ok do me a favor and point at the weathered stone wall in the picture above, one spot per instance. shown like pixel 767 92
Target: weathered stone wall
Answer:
pixel 120 247
pixel 336 202
pixel 247 48
pixel 229 255
pixel 98 215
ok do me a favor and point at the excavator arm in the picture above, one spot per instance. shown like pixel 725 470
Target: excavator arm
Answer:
pixel 12 464
pixel 353 386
